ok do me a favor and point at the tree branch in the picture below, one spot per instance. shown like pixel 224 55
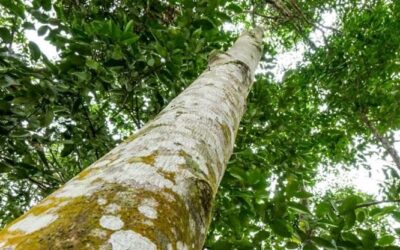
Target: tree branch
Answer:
pixel 382 139
pixel 91 126
pixel 38 184
pixel 372 203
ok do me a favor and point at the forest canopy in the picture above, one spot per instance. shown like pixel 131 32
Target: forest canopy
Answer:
pixel 334 111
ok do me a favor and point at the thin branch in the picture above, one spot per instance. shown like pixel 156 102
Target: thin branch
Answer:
pixel 316 25
pixel 253 17
pixel 373 203
pixel 58 164
pixel 38 184
pixel 91 126
pixel 25 118
pixel 264 16
pixel 287 14
pixel 141 77
pixel 328 27
pixel 137 111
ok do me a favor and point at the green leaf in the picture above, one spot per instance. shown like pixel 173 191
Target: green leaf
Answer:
pixel 82 76
pixel 92 64
pixel 150 62
pixel 303 195
pixel 349 204
pixel 235 224
pixel 292 245
pixel 237 173
pixel 128 27
pixel 281 228
pixel 350 219
pixel 300 208
pixel 310 246
pixel 42 30
pixel 379 212
pixel 368 237
pixel 19 133
pixel 34 50
pixel 386 240
pixel 117 53
pixel 4 168
pixel 322 242
pixel 396 215
pixel 28 26
pixel 46 4
pixel 4 106
pixel 360 216
pixel 67 149
pixel 47 118
pixel 22 101
pixel 323 209
pixel 204 23
pixel 5 35
pixel 130 39
pixel 351 237
pixel 261 236
pixel 222 245
pixel 235 8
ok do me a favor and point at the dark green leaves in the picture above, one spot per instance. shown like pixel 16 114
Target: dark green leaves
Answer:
pixel 204 23
pixel 46 4
pixel 368 238
pixel 67 149
pixel 34 50
pixel 281 228
pixel 47 118
pixel 292 245
pixel 299 208
pixel 234 7
pixel 28 26
pixel 322 242
pixel 43 30
pixel 349 204
pixel 5 35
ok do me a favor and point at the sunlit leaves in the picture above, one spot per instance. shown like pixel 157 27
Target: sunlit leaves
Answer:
pixel 386 240
pixel 16 7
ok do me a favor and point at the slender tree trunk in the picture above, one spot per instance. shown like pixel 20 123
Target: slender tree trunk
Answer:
pixel 156 189
pixel 389 147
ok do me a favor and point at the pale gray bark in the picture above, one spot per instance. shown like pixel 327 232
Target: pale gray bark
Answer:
pixel 155 190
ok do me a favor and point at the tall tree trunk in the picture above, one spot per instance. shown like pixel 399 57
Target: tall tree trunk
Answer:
pixel 156 189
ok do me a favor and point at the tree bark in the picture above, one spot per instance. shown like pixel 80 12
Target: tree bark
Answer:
pixel 383 141
pixel 156 189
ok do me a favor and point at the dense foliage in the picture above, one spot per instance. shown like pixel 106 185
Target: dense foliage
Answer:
pixel 120 62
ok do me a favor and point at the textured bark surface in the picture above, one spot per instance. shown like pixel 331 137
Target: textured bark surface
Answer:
pixel 155 190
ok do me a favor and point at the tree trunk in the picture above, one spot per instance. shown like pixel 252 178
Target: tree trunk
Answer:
pixel 389 147
pixel 156 189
